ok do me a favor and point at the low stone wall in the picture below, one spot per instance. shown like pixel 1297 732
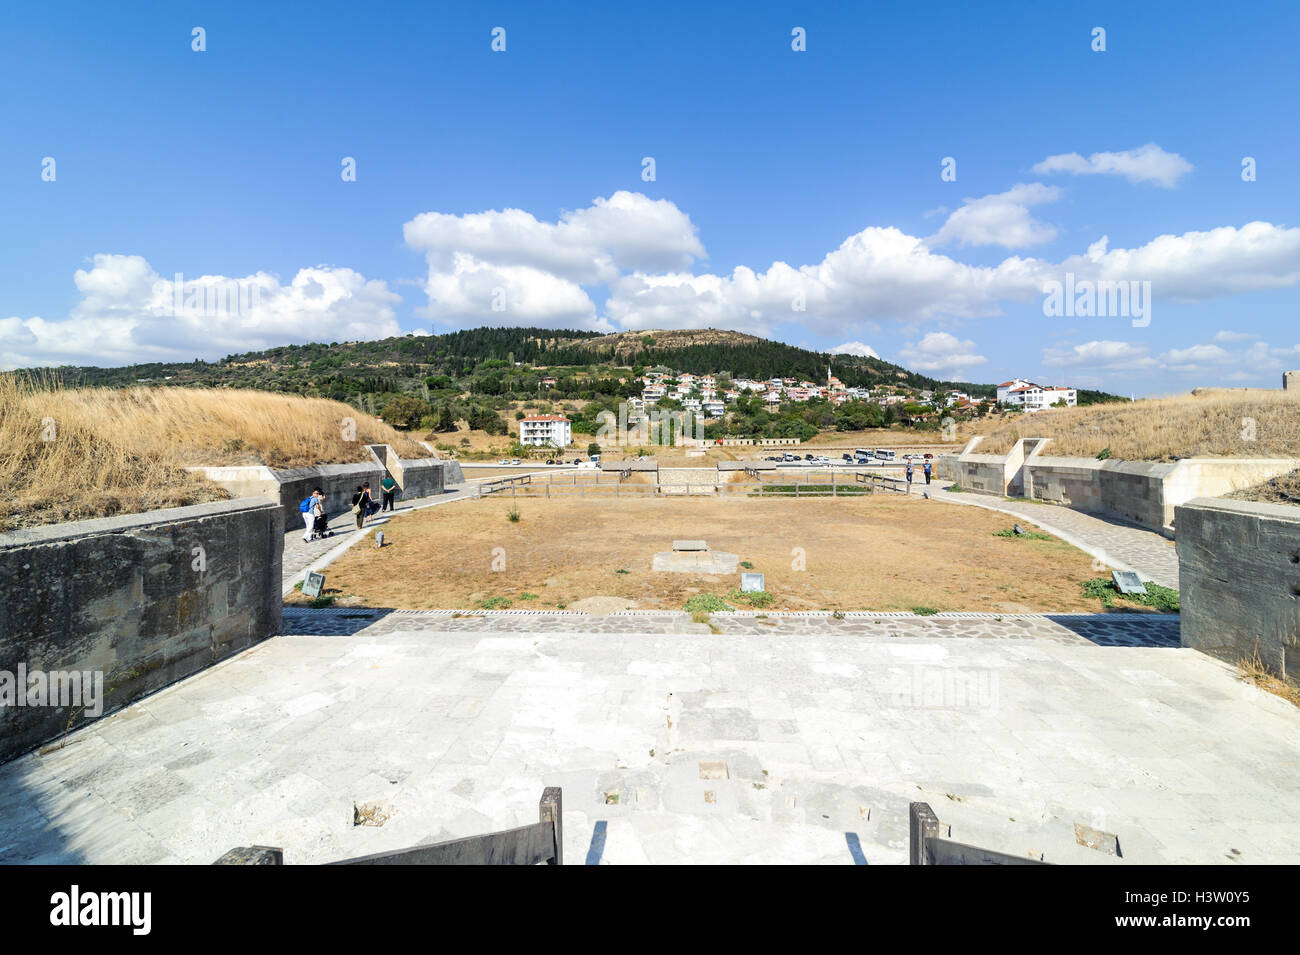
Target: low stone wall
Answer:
pixel 418 477
pixel 143 600
pixel 338 481
pixel 1142 492
pixel 1239 578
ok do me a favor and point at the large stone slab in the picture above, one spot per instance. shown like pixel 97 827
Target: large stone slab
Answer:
pixel 142 600
pixel 1239 569
pixel 695 562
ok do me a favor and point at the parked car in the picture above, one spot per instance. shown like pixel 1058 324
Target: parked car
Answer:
pixel 514 460
pixel 504 461
pixel 928 456
pixel 807 457
pixel 848 457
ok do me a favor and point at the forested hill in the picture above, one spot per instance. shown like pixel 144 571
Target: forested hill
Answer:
pixel 345 370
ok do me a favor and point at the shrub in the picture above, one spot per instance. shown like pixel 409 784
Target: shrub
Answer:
pixel 1030 535
pixel 1163 599
pixel 706 603
pixel 513 514
pixel 755 598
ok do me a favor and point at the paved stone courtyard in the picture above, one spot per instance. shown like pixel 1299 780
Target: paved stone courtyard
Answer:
pixel 800 739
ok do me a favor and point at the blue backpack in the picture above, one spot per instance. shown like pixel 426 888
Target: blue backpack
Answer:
pixel 306 504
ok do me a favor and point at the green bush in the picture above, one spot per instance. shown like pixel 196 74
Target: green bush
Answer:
pixel 1031 535
pixel 707 603
pixel 755 598
pixel 1163 599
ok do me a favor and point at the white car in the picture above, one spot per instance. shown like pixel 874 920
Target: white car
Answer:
pixel 504 461
pixel 514 460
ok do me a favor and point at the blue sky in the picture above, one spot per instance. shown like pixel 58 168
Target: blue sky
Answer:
pixel 797 195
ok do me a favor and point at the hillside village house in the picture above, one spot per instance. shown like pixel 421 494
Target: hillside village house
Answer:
pixel 700 392
pixel 1028 396
pixel 546 429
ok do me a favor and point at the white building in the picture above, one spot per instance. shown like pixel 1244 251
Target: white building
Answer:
pixel 1029 396
pixel 545 429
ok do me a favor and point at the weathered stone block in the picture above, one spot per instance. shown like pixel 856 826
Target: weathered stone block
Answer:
pixel 1239 572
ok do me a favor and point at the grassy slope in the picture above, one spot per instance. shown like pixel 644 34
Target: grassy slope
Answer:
pixel 1164 429
pixel 69 454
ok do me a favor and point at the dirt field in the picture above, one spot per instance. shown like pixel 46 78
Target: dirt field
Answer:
pixel 858 554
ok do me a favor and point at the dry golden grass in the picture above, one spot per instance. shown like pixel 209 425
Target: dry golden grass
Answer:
pixel 1283 489
pixel 69 454
pixel 1254 672
pixel 1164 429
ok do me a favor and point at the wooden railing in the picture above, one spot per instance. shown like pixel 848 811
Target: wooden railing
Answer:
pixel 498 484
pixel 536 844
pixel 927 848
pixel 881 482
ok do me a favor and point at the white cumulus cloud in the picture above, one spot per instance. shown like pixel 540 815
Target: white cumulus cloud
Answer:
pixel 1147 163
pixel 1000 219
pixel 941 352
pixel 861 349
pixel 128 313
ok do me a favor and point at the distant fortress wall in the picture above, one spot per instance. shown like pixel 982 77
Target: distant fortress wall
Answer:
pixel 1291 381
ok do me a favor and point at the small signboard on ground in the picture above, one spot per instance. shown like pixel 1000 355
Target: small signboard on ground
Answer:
pixel 1128 582
pixel 311 587
pixel 752 583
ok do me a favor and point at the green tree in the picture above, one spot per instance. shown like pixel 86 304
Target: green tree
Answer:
pixel 405 411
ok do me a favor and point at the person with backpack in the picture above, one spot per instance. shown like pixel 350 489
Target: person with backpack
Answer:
pixel 359 501
pixel 307 507
pixel 370 505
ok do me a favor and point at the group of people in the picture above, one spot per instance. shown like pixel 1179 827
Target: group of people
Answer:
pixel 316 521
pixel 926 467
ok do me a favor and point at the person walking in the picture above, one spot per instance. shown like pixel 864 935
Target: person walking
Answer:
pixel 389 487
pixel 359 506
pixel 307 508
pixel 320 529
pixel 909 477
pixel 372 506
pixel 926 468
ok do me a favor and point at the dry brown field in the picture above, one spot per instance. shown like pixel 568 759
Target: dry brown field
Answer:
pixel 877 553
